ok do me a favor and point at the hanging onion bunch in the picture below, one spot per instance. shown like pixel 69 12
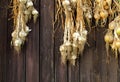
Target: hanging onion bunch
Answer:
pixel 80 34
pixel 75 34
pixel 103 10
pixel 66 47
pixel 87 11
pixel 23 10
pixel 112 37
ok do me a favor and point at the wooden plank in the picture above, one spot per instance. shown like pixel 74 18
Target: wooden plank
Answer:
pixel 112 66
pixel 32 56
pixel 86 60
pixel 15 66
pixel 46 41
pixel 118 71
pixel 3 35
pixel 99 58
pixel 73 72
pixel 107 72
pixel 60 69
pixel 112 69
pixel 32 51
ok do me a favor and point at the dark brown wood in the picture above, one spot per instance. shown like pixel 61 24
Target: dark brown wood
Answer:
pixel 118 70
pixel 60 68
pixel 32 51
pixel 46 41
pixel 3 39
pixel 86 63
pixel 113 69
pixel 32 56
pixel 99 62
pixel 73 73
pixel 40 59
pixel 15 65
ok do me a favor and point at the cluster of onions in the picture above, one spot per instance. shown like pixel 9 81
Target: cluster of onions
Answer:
pixel 78 14
pixel 112 37
pixel 75 33
pixel 103 10
pixel 23 10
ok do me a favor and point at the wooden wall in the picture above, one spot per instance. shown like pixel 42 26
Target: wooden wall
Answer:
pixel 40 61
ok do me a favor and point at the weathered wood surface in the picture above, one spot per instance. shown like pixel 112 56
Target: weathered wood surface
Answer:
pixel 46 41
pixel 3 39
pixel 40 61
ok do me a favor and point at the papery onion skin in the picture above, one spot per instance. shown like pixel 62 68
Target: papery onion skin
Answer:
pixel 118 31
pixel 108 38
pixel 117 44
pixel 104 14
pixel 112 25
pixel 96 16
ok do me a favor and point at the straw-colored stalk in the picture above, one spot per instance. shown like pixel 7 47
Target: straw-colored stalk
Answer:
pixel 75 34
pixel 23 10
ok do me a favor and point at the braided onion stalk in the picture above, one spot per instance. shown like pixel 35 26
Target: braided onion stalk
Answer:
pixel 75 33
pixel 23 10
pixel 104 10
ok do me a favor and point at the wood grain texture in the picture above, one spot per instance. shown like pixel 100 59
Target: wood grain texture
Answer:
pixel 46 41
pixel 61 71
pixel 86 60
pixel 100 65
pixel 32 50
pixel 73 73
pixel 99 70
pixel 40 60
pixel 118 71
pixel 3 41
pixel 113 69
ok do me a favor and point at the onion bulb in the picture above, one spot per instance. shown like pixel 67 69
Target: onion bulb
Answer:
pixel 29 4
pixel 62 48
pixel 14 33
pixel 18 42
pixel 97 16
pixel 106 7
pixel 117 44
pixel 98 1
pixel 112 25
pixel 66 2
pixel 118 31
pixel 104 3
pixel 103 14
pixel 108 38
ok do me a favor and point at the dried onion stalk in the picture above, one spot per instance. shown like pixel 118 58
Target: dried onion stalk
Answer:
pixel 23 10
pixel 104 10
pixel 112 37
pixel 75 33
